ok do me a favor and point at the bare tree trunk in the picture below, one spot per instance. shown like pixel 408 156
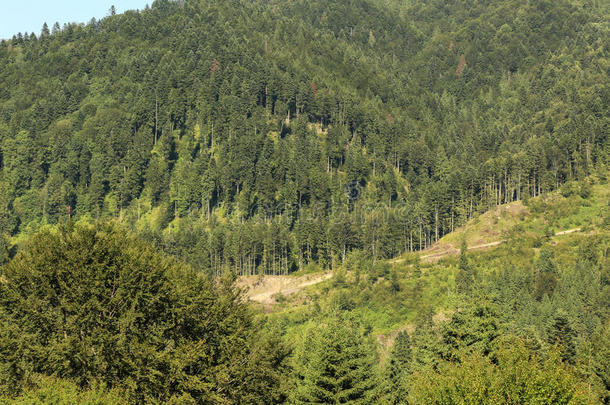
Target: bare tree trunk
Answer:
pixel 410 240
pixel 452 211
pixel 156 117
pixel 436 222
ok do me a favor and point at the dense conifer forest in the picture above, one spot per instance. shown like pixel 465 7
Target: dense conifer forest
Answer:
pixel 151 160
pixel 262 136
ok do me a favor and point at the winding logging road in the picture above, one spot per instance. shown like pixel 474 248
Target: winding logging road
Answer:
pixel 267 289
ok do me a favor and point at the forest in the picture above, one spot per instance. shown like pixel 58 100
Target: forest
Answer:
pixel 260 137
pixel 150 160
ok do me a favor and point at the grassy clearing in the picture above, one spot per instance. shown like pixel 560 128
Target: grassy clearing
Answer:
pixel 386 297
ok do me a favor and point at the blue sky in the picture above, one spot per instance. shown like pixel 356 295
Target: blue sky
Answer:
pixel 29 15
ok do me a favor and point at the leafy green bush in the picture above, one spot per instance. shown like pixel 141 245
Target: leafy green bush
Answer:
pixel 51 391
pixel 569 189
pixel 516 377
pixel 585 190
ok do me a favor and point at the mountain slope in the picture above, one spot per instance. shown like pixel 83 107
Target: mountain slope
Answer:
pixel 554 219
pixel 260 136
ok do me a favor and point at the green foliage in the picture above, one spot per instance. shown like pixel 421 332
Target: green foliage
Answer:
pixel 290 133
pixel 48 390
pixel 601 360
pixel 96 304
pixel 267 137
pixel 546 275
pixel 473 328
pixel 465 276
pixel 515 378
pixel 461 335
pixel 399 368
pixel 585 190
pixel 562 335
pixel 334 365
pixel 4 249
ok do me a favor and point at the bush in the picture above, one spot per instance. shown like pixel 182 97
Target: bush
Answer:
pixel 569 189
pixel 585 190
pixel 516 377
pixel 47 390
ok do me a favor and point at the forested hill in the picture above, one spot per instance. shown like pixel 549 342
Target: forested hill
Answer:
pixel 260 136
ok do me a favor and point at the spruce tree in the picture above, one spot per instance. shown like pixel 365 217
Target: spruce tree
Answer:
pixel 44 32
pixel 601 361
pixel 464 277
pixel 546 275
pixel 399 368
pixel 334 365
pixel 562 335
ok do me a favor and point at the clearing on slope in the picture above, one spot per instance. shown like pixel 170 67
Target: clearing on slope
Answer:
pixel 267 289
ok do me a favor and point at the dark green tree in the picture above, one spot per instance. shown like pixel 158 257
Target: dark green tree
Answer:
pixel 334 365
pixel 399 368
pixel 601 362
pixel 95 304
pixel 45 31
pixel 465 277
pixel 546 275
pixel 561 334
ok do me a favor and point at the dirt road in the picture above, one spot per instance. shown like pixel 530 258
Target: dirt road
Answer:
pixel 450 250
pixel 265 290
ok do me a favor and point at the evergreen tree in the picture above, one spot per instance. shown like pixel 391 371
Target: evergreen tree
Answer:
pixel 312 133
pixel 546 275
pixel 399 368
pixel 562 335
pixel 45 31
pixel 601 362
pixel 334 366
pixel 473 328
pixel 4 249
pixel 465 277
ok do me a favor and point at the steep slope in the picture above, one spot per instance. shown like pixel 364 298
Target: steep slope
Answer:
pixel 542 292
pixel 260 136
pixel 552 218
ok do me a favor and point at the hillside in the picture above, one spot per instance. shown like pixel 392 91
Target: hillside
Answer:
pixel 308 201
pixel 533 223
pixel 473 301
pixel 262 136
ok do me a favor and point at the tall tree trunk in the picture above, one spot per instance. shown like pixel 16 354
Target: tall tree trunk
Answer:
pixel 436 222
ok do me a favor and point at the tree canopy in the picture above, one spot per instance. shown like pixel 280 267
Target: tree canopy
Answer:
pixel 97 305
pixel 279 134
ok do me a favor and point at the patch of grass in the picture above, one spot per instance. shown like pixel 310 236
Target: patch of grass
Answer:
pixel 386 297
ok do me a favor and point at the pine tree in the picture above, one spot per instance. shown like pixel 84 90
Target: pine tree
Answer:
pixel 464 277
pixel 399 368
pixel 334 365
pixel 546 275
pixel 601 361
pixel 473 328
pixel 4 249
pixel 45 31
pixel 562 335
